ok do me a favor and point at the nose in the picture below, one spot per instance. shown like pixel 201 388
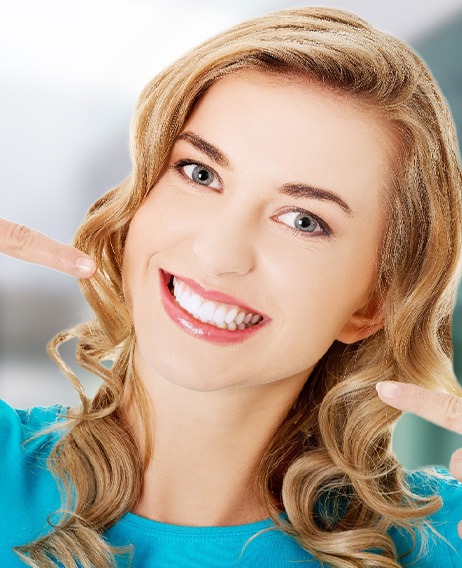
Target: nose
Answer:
pixel 224 241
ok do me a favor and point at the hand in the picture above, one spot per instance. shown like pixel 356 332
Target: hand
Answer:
pixel 442 409
pixel 26 244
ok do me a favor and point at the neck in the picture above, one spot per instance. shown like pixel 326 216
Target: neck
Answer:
pixel 207 449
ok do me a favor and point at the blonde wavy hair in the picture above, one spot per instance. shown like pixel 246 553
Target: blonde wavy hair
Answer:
pixel 336 440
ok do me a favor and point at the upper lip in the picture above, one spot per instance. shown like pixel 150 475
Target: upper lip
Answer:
pixel 214 295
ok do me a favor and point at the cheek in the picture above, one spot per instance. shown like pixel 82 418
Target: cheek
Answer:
pixel 330 286
pixel 151 230
pixel 155 227
pixel 135 257
pixel 163 218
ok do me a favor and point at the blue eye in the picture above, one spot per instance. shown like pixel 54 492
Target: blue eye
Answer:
pixel 305 223
pixel 198 173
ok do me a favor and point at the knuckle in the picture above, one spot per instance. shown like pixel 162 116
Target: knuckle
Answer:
pixel 20 238
pixel 453 410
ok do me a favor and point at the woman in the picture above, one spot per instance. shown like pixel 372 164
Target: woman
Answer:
pixel 290 236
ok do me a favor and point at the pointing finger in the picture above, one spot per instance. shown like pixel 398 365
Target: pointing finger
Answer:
pixel 455 465
pixel 440 408
pixel 24 243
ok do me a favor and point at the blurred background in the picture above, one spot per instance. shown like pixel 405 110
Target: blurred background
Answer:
pixel 70 74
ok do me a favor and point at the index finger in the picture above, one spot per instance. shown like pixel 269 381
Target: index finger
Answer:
pixel 440 408
pixel 24 243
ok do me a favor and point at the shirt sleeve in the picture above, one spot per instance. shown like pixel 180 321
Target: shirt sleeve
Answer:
pixel 449 516
pixel 444 550
pixel 29 493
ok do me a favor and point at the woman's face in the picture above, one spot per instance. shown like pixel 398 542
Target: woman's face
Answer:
pixel 275 195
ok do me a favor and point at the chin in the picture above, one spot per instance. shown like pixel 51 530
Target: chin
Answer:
pixel 182 371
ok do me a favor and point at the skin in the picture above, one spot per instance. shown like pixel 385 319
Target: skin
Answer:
pixel 24 243
pixel 216 406
pixel 224 417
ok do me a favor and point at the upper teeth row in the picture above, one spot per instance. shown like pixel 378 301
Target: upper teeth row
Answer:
pixel 206 310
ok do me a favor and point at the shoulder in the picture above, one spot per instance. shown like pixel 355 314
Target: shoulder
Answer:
pixel 19 434
pixel 440 539
pixel 29 493
pixel 18 425
pixel 30 418
pixel 23 451
pixel 437 480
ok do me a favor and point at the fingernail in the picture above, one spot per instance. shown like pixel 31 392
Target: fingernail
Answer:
pixel 388 389
pixel 85 265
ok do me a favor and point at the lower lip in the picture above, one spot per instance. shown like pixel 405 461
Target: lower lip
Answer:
pixel 197 328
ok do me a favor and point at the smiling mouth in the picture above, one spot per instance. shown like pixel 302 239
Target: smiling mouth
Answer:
pixel 222 315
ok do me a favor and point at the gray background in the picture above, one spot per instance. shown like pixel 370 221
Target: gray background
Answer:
pixel 70 73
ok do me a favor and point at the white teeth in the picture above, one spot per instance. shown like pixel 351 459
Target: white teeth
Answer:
pixel 179 286
pixel 194 303
pixel 239 318
pixel 231 315
pixel 207 310
pixel 221 315
pixel 184 296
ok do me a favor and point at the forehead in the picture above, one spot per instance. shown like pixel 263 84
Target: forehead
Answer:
pixel 255 87
pixel 295 127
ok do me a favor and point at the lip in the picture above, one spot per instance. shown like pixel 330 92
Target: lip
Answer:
pixel 200 329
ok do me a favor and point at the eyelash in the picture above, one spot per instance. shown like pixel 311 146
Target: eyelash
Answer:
pixel 327 232
pixel 178 166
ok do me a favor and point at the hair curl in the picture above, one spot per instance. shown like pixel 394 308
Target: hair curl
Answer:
pixel 336 440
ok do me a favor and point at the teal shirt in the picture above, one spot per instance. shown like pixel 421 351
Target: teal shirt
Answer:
pixel 29 494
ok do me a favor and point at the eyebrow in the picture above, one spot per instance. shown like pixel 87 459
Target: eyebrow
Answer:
pixel 295 190
pixel 303 191
pixel 209 149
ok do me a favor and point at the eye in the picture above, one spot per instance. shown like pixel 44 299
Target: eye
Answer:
pixel 198 173
pixel 305 223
